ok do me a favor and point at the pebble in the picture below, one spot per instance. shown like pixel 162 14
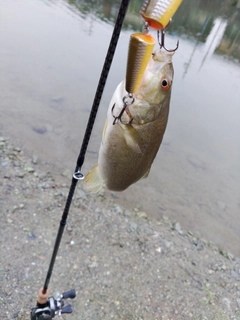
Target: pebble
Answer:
pixel 17 164
pixel 29 169
pixel 210 271
pixel 20 174
pixel 142 215
pixel 118 209
pixel 133 226
pixel 34 159
pixel 67 173
pixel 127 213
pixel 81 194
pixel 31 236
pixel 177 226
pixel 235 274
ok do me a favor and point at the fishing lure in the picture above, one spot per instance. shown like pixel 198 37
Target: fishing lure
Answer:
pixel 157 13
pixel 139 52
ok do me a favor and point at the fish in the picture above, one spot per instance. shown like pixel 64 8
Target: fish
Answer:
pixel 130 145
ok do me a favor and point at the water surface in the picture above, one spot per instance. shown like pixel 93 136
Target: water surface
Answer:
pixel 51 57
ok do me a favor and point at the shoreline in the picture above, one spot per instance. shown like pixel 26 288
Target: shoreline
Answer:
pixel 122 264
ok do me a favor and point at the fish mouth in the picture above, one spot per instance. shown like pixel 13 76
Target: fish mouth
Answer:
pixel 162 55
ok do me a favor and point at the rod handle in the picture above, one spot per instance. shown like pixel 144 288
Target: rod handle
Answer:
pixel 42 297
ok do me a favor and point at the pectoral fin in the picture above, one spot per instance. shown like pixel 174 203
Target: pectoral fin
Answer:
pixel 104 131
pixel 132 137
pixel 93 181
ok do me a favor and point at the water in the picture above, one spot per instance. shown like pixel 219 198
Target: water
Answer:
pixel 51 57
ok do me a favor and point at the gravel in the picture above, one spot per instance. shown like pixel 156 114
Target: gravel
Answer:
pixel 122 264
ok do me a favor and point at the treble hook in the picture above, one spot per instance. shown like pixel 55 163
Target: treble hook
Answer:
pixel 125 105
pixel 162 42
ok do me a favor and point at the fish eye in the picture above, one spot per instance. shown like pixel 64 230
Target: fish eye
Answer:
pixel 165 84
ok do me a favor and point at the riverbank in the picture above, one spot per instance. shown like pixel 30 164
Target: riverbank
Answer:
pixel 122 264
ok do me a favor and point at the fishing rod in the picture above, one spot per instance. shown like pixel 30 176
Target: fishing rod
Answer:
pixel 48 307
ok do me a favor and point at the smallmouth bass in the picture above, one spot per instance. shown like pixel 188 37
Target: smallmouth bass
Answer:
pixel 129 146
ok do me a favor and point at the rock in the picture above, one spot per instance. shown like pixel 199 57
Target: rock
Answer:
pixel 127 213
pixel 20 174
pixel 133 226
pixel 238 302
pixel 81 194
pixel 67 173
pixel 142 215
pixel 235 274
pixel 118 209
pixel 29 169
pixel 31 236
pixel 34 159
pixel 210 271
pixel 176 226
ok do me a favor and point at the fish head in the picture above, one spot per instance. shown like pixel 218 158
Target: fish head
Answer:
pixel 154 92
pixel 157 83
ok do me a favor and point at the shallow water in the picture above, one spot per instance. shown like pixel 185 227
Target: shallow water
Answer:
pixel 51 57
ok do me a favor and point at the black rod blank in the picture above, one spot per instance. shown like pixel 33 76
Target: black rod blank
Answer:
pixel 91 120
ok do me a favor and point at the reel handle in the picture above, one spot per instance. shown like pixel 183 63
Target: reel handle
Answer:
pixel 69 294
pixel 66 309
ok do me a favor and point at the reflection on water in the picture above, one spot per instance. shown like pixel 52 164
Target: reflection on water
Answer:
pixel 52 53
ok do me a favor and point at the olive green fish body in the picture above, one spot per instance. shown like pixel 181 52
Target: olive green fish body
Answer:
pixel 129 147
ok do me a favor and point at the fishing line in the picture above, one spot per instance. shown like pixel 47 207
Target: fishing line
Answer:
pixel 37 313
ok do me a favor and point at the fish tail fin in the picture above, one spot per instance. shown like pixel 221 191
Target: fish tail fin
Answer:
pixel 93 181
